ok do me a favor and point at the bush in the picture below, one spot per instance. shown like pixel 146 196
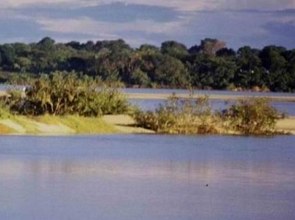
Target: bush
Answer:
pixel 4 111
pixel 251 116
pixel 66 93
pixel 179 116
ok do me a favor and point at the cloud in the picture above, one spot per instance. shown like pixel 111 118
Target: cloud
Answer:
pixel 182 5
pixel 252 28
pixel 116 12
pixel 107 30
pixel 94 27
pixel 187 5
pixel 239 28
pixel 258 4
pixel 237 22
pixel 24 3
pixel 282 31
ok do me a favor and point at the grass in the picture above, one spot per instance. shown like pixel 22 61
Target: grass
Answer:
pixel 4 111
pixel 79 124
pixel 26 123
pixel 82 125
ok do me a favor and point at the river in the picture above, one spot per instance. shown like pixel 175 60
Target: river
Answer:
pixel 150 104
pixel 147 177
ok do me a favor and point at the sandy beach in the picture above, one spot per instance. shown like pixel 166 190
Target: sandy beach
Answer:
pixel 117 124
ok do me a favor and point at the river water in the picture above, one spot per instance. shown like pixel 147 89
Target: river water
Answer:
pixel 216 105
pixel 284 107
pixel 147 177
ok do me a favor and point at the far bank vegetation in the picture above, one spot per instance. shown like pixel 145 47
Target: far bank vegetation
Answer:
pixel 209 64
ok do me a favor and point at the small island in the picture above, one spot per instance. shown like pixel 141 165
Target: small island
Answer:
pixel 66 104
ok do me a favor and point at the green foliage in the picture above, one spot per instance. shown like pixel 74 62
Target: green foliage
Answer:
pixel 171 71
pixel 209 65
pixel 213 72
pixel 4 110
pixel 65 93
pixel 174 49
pixel 251 116
pixel 20 79
pixel 179 116
pixel 138 77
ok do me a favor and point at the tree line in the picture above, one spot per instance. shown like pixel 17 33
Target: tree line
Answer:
pixel 209 65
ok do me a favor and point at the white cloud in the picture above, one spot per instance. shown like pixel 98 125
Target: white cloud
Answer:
pixel 22 3
pixel 235 27
pixel 97 30
pixel 107 29
pixel 184 5
pixel 256 4
pixel 187 5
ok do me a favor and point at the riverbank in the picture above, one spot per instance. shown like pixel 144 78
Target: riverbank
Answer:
pixel 72 125
pixel 164 96
pixel 148 96
pixel 69 125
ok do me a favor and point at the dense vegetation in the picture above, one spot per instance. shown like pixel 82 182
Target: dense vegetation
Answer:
pixel 68 94
pixel 65 94
pixel 252 116
pixel 208 65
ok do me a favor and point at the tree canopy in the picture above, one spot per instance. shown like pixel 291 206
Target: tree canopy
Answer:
pixel 210 65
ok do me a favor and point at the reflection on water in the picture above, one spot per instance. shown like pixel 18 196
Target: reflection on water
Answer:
pixel 147 177
pixel 189 172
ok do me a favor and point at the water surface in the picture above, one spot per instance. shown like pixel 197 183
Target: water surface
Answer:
pixel 146 177
pixel 216 105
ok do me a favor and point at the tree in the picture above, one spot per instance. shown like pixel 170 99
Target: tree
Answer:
pixel 171 72
pixel 275 66
pixel 226 52
pixel 212 72
pixel 211 46
pixel 250 71
pixel 174 49
pixel 8 56
pixel 46 44
pixel 140 78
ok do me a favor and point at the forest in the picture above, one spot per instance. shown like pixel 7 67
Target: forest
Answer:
pixel 209 65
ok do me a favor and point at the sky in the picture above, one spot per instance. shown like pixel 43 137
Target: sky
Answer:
pixel 256 23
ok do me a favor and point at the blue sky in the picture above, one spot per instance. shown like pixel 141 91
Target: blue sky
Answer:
pixel 237 22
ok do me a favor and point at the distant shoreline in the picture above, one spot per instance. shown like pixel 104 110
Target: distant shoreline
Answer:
pixel 210 96
pixel 159 96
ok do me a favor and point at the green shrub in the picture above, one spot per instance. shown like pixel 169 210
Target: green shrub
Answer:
pixel 4 110
pixel 251 116
pixel 179 116
pixel 20 78
pixel 66 93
